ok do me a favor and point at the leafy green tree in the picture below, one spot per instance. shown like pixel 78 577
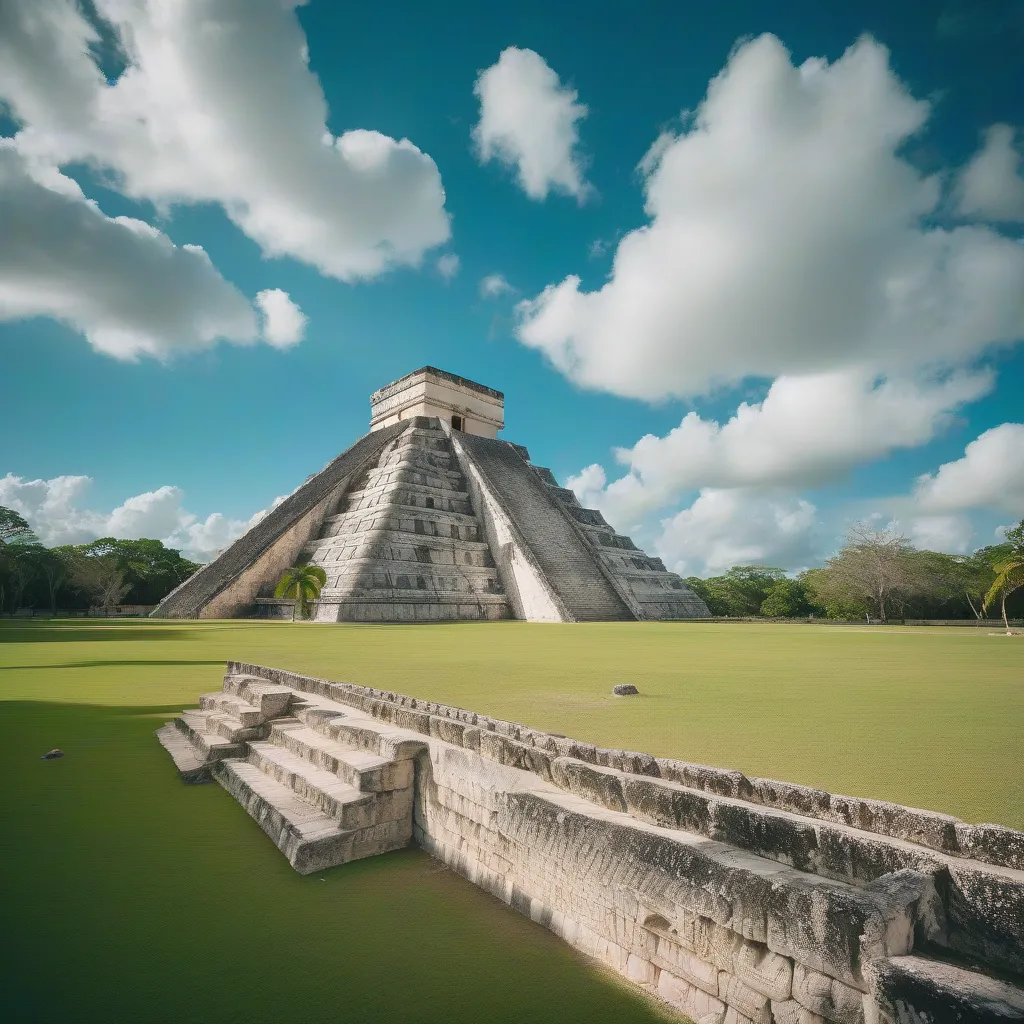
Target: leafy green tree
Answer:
pixel 54 565
pixel 303 584
pixel 150 570
pixel 1009 573
pixel 100 576
pixel 13 527
pixel 740 591
pixel 787 599
pixel 877 568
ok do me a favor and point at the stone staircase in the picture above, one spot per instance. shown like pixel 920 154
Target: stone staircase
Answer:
pixel 655 592
pixel 405 545
pixel 326 783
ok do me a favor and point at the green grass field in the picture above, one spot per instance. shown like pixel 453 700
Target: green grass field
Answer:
pixel 128 896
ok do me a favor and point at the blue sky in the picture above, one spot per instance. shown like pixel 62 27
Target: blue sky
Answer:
pixel 828 230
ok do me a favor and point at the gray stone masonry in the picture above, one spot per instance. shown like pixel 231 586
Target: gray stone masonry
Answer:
pixel 253 554
pixel 405 545
pixel 567 561
pixel 393 523
pixel 733 899
pixel 654 592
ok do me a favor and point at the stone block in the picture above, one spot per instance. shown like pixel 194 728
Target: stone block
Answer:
pixel 788 796
pixel 764 971
pixel 985 908
pixel 716 944
pixel 789 1011
pixel 573 748
pixel 927 828
pixel 666 805
pixel 640 971
pixel 741 997
pixel 683 996
pixel 679 961
pixel 601 786
pixel 767 833
pixel 827 997
pixel 724 782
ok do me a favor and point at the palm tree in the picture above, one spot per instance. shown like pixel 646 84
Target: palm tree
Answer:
pixel 1009 572
pixel 303 583
pixel 1009 577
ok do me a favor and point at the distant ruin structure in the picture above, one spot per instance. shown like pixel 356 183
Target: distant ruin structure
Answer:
pixel 431 517
pixel 736 900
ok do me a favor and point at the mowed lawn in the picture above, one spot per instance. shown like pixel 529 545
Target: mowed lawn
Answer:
pixel 129 896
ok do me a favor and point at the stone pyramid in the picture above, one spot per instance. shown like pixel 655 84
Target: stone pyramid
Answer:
pixel 431 517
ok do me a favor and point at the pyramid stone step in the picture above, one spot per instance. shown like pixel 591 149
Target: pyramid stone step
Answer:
pixel 365 770
pixel 310 839
pixel 232 705
pixel 317 786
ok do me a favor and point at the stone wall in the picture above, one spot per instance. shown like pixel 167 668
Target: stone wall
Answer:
pixel 743 898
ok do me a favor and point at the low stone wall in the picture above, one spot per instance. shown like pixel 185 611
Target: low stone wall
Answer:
pixel 744 898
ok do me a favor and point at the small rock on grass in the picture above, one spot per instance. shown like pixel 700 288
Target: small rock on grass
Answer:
pixel 51 754
pixel 624 690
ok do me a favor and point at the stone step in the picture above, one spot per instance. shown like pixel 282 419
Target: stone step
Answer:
pixel 918 988
pixel 232 705
pixel 272 700
pixel 365 770
pixel 310 839
pixel 220 723
pixel 207 746
pixel 363 733
pixel 344 521
pixel 190 765
pixel 409 496
pixel 323 789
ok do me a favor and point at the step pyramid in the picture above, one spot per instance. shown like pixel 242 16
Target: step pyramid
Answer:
pixel 431 517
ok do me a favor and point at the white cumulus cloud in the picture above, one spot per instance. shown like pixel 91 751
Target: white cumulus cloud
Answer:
pixel 284 324
pixel 448 265
pixel 952 534
pixel 723 528
pixel 528 121
pixel 54 510
pixel 990 475
pixel 788 235
pixel 124 285
pixel 807 431
pixel 217 104
pixel 991 186
pixel 493 286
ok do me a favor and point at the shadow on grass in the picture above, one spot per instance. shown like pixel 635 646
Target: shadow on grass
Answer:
pixel 131 896
pixel 108 664
pixel 24 633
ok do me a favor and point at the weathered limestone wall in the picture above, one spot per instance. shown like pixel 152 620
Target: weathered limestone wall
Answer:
pixel 748 899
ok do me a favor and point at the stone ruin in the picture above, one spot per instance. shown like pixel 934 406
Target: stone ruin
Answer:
pixel 734 900
pixel 431 517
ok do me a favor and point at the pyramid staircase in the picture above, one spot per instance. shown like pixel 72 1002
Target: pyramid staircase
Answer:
pixel 405 544
pixel 326 783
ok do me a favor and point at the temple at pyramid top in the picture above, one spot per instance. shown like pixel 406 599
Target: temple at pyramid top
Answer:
pixel 469 407
pixel 431 517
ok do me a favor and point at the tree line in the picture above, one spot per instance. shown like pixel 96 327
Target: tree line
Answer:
pixel 104 573
pixel 879 574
